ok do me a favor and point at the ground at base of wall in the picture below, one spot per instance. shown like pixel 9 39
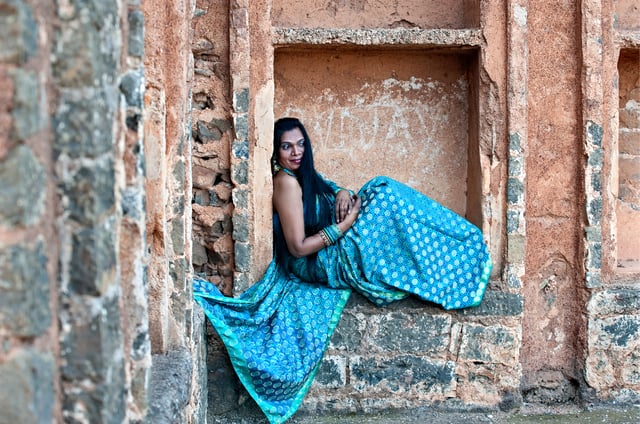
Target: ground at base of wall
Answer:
pixel 629 414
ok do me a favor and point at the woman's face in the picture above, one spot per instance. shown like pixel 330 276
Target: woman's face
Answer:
pixel 291 149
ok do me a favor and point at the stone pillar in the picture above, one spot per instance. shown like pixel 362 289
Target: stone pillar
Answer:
pixel 175 332
pixel 132 247
pixel 85 72
pixel 611 52
pixel 553 289
pixel 28 251
pixel 239 60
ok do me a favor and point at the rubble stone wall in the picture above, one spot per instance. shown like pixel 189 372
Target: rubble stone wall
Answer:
pixel 96 319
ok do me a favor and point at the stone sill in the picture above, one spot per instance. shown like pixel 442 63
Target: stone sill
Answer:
pixel 628 270
pixel 395 37
pixel 628 39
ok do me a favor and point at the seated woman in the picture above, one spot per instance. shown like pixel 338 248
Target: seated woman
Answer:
pixel 387 242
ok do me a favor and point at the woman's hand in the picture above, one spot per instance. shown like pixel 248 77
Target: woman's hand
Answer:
pixel 351 217
pixel 344 203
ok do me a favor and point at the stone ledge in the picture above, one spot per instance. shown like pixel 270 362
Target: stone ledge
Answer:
pixel 400 37
pixel 627 39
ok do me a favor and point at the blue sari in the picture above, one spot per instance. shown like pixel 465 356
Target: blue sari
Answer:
pixel 403 243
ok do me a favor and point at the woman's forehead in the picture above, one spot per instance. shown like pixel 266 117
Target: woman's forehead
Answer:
pixel 291 136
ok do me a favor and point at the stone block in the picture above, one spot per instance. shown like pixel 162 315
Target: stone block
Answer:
pixel 178 271
pixel 241 227
pixel 177 236
pixel 27 389
pixel 596 181
pixel 23 188
pixel 489 344
pixel 412 333
pixel 595 159
pixel 631 370
pixel 202 177
pixel 132 203
pixel 350 331
pixel 27 118
pixel 18 32
pixel 240 198
pixel 24 290
pixel 401 373
pixel 169 386
pixel 332 373
pixel 594 134
pixel 593 234
pixel 514 142
pixel 199 254
pixel 241 128
pixel 629 142
pixel 86 49
pixel 91 347
pixel 513 221
pixel 241 100
pixel 240 173
pixel 133 120
pixel 132 86
pixel 629 170
pixel 630 115
pixel 242 253
pixel 223 193
pixel 135 45
pixel 93 259
pixel 83 126
pixel 594 254
pixel 206 132
pixel 594 211
pixel 90 191
pixel 516 248
pixel 593 280
pixel 240 148
pixel 515 166
pixel 615 302
pixel 497 303
pixel 515 190
pixel 619 333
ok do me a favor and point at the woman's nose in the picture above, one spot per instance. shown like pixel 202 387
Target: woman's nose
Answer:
pixel 296 150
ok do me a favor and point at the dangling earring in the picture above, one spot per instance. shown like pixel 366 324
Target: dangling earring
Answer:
pixel 275 167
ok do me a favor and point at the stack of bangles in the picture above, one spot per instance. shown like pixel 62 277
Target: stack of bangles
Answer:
pixel 330 234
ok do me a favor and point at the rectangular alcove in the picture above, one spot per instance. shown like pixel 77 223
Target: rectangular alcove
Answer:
pixel 628 201
pixel 411 114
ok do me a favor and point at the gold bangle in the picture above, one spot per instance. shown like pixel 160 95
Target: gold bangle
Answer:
pixel 324 238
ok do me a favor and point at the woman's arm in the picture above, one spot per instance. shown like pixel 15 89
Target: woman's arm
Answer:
pixel 287 200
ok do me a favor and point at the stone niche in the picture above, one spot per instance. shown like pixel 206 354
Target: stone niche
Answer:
pixel 410 114
pixel 628 202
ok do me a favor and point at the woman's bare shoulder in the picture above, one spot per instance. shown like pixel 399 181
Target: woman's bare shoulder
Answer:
pixel 284 181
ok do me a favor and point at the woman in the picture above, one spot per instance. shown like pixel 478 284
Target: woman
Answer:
pixel 387 242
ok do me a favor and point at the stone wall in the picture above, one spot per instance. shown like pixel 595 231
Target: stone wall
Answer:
pixel 29 252
pixel 96 318
pixel 559 321
pixel 135 138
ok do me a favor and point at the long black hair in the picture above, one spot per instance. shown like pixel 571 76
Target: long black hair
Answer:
pixel 317 195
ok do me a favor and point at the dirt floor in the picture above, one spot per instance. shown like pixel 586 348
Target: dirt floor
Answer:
pixel 629 414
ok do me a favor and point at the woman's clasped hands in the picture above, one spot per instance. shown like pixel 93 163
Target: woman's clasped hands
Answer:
pixel 347 206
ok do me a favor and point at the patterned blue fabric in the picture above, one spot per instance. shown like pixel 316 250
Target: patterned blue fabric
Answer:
pixel 402 243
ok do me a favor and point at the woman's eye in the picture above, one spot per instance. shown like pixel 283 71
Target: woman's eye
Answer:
pixel 301 143
pixel 285 147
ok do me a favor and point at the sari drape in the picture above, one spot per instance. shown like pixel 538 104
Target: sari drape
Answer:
pixel 403 243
